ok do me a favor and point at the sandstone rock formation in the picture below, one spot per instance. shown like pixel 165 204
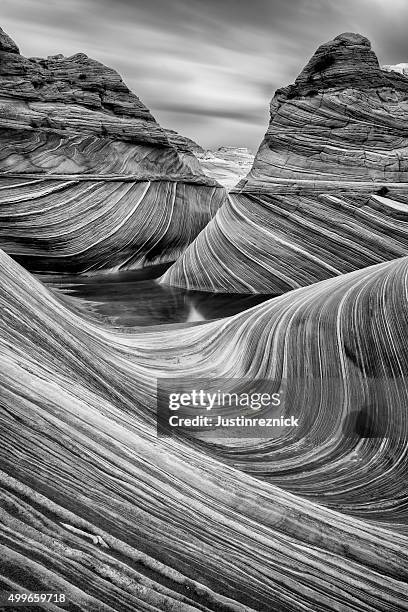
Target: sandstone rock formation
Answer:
pixel 328 189
pixel 88 179
pixel 7 44
pixel 93 504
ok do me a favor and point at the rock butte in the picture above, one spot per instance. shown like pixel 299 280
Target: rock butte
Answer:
pixel 328 190
pixel 88 179
pixel 94 505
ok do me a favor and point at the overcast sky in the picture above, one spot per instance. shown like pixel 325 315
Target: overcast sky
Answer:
pixel 206 68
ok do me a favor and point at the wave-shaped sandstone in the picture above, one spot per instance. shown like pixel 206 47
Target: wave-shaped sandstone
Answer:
pixel 84 164
pixel 95 505
pixel 328 189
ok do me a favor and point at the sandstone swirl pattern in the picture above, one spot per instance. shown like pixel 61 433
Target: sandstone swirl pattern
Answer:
pixel 328 190
pixel 182 523
pixel 88 179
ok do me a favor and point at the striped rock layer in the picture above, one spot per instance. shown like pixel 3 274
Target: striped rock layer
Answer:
pixel 95 505
pixel 328 189
pixel 66 120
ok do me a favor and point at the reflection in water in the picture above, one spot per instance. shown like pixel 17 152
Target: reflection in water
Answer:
pixel 135 298
pixel 194 315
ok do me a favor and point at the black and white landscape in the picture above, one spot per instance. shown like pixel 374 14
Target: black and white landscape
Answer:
pixel 133 254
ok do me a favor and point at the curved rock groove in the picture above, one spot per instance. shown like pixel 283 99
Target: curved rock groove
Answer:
pixel 182 523
pixel 80 226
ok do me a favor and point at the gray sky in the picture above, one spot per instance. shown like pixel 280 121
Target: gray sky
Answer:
pixel 206 68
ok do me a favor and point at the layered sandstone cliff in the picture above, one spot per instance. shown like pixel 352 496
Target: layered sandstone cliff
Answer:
pixel 95 505
pixel 327 193
pixel 88 179
pixel 227 165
